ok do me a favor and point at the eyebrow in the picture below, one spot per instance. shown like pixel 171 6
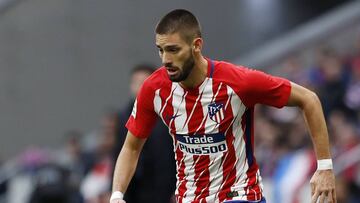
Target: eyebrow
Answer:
pixel 168 46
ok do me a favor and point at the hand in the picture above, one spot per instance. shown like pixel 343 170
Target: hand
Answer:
pixel 323 186
pixel 117 201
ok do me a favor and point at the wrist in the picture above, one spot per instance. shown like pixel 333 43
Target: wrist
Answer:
pixel 324 164
pixel 116 195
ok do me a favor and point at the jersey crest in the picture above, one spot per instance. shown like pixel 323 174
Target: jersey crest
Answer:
pixel 216 112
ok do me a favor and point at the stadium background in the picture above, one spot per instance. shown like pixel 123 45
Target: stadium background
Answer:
pixel 65 64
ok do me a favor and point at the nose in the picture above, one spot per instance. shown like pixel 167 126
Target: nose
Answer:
pixel 166 59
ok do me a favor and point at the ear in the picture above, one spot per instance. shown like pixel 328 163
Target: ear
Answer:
pixel 197 44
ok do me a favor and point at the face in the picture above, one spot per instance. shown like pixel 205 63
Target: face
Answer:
pixel 137 79
pixel 176 55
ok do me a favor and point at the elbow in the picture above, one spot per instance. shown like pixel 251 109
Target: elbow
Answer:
pixel 303 98
pixel 310 101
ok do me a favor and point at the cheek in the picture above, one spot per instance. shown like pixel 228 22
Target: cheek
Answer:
pixel 183 57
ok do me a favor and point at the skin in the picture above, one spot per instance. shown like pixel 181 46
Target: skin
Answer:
pixel 176 55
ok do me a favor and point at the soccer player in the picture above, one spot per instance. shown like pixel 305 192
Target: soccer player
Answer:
pixel 208 107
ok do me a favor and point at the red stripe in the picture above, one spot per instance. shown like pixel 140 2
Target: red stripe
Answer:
pixel 167 106
pixel 180 199
pixel 253 189
pixel 181 173
pixel 229 168
pixel 168 112
pixel 202 174
pixel 195 120
pixel 228 113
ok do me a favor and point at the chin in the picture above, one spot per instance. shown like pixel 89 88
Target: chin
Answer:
pixel 175 79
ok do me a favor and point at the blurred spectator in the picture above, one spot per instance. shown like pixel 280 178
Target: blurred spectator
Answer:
pixel 332 79
pixel 154 178
pixel 352 98
pixel 292 69
pixel 96 185
pixel 3 190
pixel 345 192
pixel 345 138
pixel 76 161
pixel 295 164
pixel 51 185
pixel 352 94
pixel 292 174
pixel 23 183
pixel 267 143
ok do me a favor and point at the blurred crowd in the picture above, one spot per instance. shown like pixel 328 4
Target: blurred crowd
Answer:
pixel 81 170
pixel 283 145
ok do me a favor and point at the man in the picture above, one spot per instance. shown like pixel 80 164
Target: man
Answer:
pixel 156 166
pixel 208 107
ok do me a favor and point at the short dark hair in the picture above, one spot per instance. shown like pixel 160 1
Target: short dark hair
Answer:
pixel 182 21
pixel 149 68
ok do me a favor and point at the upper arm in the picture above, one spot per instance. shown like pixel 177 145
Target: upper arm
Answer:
pixel 256 87
pixel 133 143
pixel 143 116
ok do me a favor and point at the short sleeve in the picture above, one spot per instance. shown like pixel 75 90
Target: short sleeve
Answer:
pixel 143 116
pixel 259 87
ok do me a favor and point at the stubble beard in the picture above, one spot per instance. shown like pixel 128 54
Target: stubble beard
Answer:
pixel 186 70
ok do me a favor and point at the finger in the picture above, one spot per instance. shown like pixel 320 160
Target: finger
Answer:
pixel 312 189
pixel 330 197
pixel 322 197
pixel 117 201
pixel 315 197
pixel 334 195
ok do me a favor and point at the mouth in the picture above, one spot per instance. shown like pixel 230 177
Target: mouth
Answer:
pixel 172 71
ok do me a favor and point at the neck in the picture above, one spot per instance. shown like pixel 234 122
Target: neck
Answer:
pixel 198 73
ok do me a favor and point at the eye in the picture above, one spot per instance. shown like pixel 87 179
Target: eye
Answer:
pixel 173 50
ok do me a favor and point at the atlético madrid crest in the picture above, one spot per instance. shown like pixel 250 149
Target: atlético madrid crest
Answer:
pixel 216 112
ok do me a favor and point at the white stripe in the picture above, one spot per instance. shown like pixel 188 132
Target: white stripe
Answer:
pixel 221 113
pixel 216 178
pixel 178 164
pixel 239 144
pixel 218 90
pixel 157 102
pixel 215 168
pixel 201 88
pixel 134 110
pixel 173 87
pixel 215 175
pixel 206 93
pixel 217 117
pixel 205 101
pixel 189 171
pixel 179 109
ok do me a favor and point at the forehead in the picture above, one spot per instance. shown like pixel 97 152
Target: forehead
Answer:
pixel 163 40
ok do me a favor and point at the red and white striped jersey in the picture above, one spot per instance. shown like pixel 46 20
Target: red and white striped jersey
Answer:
pixel 212 128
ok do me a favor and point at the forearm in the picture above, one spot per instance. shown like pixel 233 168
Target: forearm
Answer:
pixel 126 162
pixel 314 118
pixel 310 105
pixel 124 169
pixel 323 181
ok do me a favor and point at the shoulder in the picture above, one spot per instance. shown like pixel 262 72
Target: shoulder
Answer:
pixel 230 73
